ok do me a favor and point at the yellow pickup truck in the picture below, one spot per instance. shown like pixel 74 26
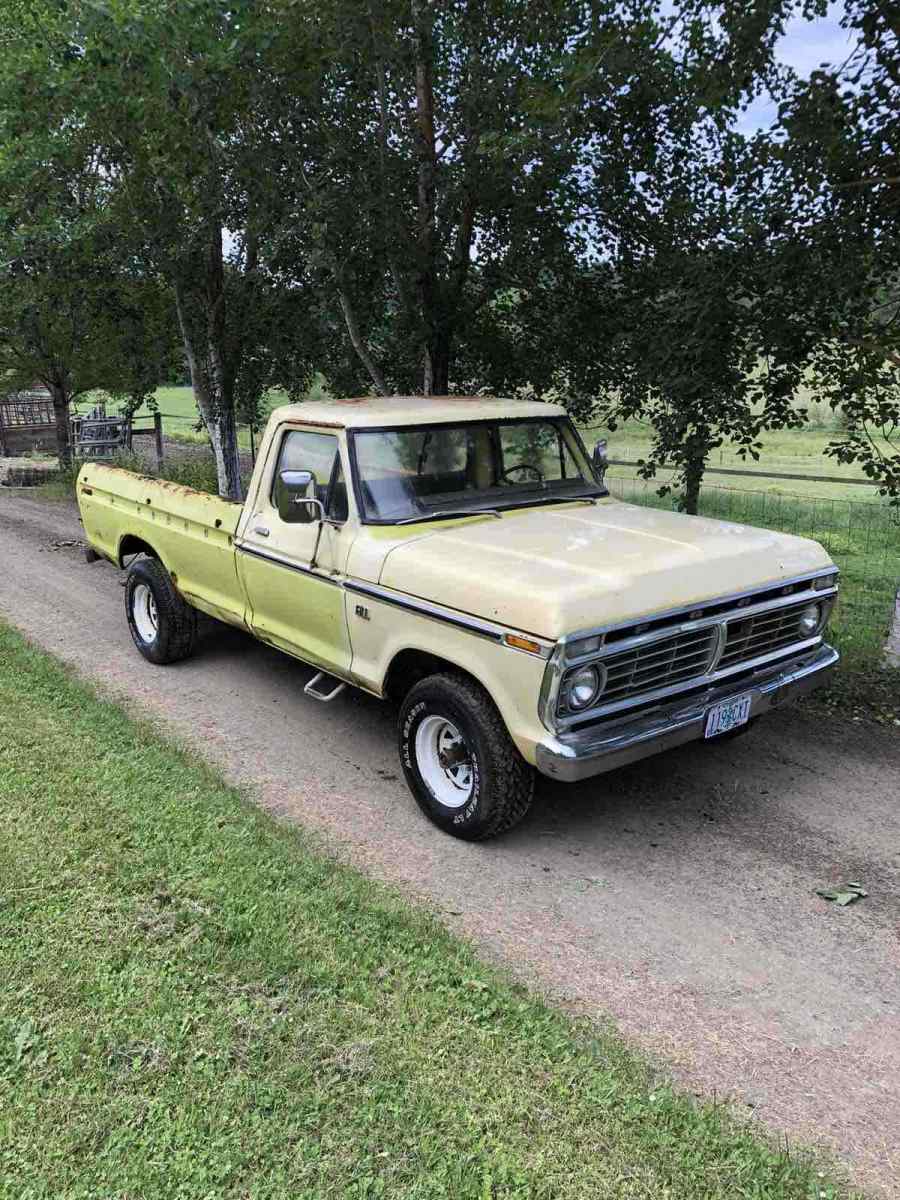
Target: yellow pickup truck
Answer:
pixel 463 558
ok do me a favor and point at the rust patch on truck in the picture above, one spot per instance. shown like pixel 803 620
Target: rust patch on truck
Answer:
pixel 182 489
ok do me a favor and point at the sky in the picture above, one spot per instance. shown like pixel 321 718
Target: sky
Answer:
pixel 805 46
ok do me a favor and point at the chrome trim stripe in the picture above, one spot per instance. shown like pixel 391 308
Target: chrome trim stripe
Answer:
pixel 286 563
pixel 685 608
pixel 424 608
pixel 436 612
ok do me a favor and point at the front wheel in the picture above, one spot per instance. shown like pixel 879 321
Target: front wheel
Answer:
pixel 459 761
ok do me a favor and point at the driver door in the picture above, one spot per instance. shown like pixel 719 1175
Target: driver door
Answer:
pixel 289 559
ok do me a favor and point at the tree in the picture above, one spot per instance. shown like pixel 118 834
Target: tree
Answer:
pixel 439 201
pixel 66 323
pixel 161 102
pixel 710 345
pixel 76 314
pixel 838 142
pixel 709 270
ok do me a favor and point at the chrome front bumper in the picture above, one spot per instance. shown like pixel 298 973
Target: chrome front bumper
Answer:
pixel 574 756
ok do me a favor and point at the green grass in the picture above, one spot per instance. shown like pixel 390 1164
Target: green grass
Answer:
pixel 196 472
pixel 179 411
pixel 198 1003
pixel 863 539
pixel 784 451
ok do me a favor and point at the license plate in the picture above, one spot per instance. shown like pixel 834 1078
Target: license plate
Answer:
pixel 728 715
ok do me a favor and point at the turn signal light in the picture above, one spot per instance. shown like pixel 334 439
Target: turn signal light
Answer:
pixel 522 643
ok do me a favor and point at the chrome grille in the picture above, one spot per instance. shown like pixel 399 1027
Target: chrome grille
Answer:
pixel 642 663
pixel 658 663
pixel 763 633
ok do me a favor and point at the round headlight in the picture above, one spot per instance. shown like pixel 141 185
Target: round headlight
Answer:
pixel 809 619
pixel 582 687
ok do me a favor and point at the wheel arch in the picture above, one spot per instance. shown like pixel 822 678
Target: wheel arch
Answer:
pixel 130 545
pixel 411 664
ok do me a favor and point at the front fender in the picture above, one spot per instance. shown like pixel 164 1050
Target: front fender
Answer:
pixel 380 631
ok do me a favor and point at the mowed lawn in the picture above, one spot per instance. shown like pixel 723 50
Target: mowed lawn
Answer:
pixel 197 1002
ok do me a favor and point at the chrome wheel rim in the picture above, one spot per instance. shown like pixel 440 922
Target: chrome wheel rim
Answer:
pixel 143 610
pixel 444 760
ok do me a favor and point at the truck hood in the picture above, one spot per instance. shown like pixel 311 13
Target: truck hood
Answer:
pixel 552 571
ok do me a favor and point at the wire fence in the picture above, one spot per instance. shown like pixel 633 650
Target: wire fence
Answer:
pixel 863 538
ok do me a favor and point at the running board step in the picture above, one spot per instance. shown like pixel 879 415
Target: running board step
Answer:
pixel 325 697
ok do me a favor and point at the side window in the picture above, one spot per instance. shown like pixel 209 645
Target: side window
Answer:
pixel 319 454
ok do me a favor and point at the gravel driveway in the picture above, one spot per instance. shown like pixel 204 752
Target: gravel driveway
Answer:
pixel 677 896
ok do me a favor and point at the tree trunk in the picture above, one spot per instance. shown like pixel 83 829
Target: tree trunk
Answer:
pixel 358 343
pixel 61 404
pixel 693 478
pixel 217 414
pixel 214 403
pixel 228 461
pixel 437 364
pixel 426 266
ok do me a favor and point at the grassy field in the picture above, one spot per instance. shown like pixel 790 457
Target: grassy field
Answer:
pixel 197 1003
pixel 784 451
pixel 787 451
pixel 180 413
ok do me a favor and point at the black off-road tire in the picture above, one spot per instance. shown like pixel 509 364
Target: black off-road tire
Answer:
pixel 503 784
pixel 176 632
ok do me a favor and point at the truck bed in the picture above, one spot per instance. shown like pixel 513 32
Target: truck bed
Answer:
pixel 191 532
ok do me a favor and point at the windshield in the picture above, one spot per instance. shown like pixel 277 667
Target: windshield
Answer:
pixel 420 472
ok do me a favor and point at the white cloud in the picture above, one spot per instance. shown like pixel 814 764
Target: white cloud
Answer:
pixel 805 46
pixel 808 44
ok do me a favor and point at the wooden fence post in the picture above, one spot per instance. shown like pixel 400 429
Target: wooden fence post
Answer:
pixel 157 429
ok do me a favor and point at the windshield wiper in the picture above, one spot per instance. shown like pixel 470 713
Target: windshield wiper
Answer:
pixel 451 512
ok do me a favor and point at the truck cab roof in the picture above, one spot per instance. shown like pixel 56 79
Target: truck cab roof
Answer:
pixel 368 412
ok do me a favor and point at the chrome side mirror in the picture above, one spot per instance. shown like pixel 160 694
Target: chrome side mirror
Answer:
pixel 600 459
pixel 295 497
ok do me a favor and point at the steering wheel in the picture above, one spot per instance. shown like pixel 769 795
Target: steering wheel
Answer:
pixel 524 466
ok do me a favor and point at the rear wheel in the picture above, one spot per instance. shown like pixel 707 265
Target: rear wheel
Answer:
pixel 459 761
pixel 163 626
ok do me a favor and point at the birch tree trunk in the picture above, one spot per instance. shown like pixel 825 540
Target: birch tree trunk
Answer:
pixel 426 274
pixel 210 380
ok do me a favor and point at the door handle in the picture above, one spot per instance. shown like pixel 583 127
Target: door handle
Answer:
pixel 261 530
